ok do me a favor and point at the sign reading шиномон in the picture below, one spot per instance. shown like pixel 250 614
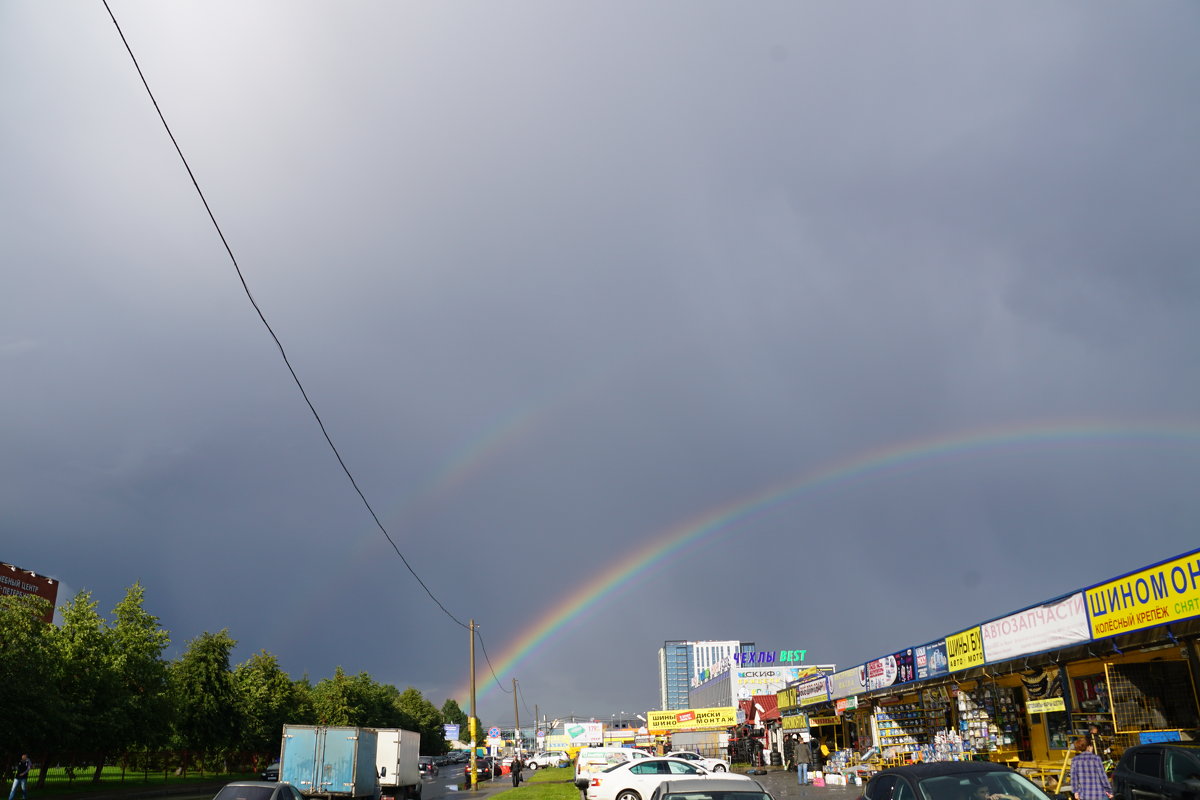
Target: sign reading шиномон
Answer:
pixel 1165 593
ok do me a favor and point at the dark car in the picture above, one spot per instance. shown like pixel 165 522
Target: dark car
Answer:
pixel 258 790
pixel 271 772
pixel 428 767
pixel 1161 771
pixel 483 768
pixel 951 780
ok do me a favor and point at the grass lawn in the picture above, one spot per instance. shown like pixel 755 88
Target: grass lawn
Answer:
pixel 547 783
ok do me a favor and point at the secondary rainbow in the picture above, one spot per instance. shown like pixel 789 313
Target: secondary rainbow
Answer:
pixel 720 518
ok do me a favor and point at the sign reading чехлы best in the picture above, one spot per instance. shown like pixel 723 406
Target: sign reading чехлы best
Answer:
pixel 1159 595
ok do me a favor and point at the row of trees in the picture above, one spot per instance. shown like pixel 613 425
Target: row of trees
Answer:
pixel 95 689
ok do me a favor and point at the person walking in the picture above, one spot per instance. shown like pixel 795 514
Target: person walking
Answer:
pixel 22 778
pixel 1088 779
pixel 515 769
pixel 803 753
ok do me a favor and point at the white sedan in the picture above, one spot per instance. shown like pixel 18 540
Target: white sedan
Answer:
pixel 637 780
pixel 710 764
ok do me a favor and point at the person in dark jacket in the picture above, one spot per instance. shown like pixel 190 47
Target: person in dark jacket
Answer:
pixel 515 768
pixel 803 753
pixel 22 778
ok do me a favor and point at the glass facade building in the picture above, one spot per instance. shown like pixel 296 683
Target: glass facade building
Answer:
pixel 681 662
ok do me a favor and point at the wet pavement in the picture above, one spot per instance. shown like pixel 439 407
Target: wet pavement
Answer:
pixel 782 785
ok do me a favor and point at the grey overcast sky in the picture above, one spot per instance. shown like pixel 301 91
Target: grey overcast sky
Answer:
pixel 876 319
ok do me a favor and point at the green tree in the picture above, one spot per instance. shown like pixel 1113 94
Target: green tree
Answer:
pixel 423 716
pixel 268 699
pixel 206 700
pixel 30 676
pixel 143 700
pixel 89 684
pixel 452 714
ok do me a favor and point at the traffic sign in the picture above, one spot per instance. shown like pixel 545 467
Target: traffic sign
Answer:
pixel 493 733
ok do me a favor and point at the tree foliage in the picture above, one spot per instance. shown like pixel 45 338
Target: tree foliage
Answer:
pixel 206 704
pixel 92 689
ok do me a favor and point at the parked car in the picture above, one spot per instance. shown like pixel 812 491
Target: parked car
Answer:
pixel 722 788
pixel 485 768
pixel 594 759
pixel 950 780
pixel 1160 771
pixel 271 771
pixel 637 779
pixel 710 764
pixel 550 758
pixel 427 767
pixel 258 790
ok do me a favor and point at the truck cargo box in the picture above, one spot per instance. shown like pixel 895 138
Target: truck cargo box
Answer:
pixel 329 762
pixel 397 758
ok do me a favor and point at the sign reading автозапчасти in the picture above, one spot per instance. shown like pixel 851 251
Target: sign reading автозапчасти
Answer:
pixel 1168 592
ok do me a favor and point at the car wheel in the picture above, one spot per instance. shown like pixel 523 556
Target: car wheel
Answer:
pixel 533 766
pixel 628 794
pixel 719 768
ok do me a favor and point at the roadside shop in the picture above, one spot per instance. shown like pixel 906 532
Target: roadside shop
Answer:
pixel 1118 659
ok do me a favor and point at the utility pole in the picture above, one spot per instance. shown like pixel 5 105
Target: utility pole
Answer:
pixel 535 726
pixel 517 717
pixel 471 722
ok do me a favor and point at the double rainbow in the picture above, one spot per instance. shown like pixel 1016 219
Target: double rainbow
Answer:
pixel 713 521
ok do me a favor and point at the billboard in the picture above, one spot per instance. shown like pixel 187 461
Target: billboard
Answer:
pixel 15 580
pixel 1159 595
pixel 1045 627
pixel 584 733
pixel 692 719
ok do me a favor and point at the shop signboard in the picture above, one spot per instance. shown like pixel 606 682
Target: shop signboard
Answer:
pixel 889 670
pixel 795 722
pixel 692 719
pixel 1159 595
pixel 786 698
pixel 930 660
pixel 846 683
pixel 813 691
pixel 1047 706
pixel 1045 627
pixel 965 650
pixel 818 721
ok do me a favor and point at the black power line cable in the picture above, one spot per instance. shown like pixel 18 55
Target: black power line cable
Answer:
pixel 271 331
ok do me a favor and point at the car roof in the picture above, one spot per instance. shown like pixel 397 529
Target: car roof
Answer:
pixel 935 769
pixel 253 783
pixel 708 785
pixel 1148 745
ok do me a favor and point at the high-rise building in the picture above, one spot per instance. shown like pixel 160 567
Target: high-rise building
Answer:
pixel 680 663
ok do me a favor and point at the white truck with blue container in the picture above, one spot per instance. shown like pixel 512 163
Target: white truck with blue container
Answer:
pixel 334 763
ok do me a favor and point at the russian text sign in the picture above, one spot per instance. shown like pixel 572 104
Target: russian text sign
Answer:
pixel 1169 592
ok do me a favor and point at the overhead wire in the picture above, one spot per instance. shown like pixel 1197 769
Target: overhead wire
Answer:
pixel 270 330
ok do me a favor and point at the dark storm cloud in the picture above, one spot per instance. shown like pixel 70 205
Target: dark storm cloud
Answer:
pixel 561 280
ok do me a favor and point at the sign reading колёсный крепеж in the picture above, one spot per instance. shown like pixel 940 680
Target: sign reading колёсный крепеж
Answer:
pixel 1158 595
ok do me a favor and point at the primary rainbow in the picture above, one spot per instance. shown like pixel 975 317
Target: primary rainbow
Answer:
pixel 718 518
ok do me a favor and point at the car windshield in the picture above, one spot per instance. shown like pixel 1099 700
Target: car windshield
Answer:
pixel 970 787
pixel 754 795
pixel 245 793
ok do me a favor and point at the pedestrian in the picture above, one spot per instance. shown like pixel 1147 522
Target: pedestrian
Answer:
pixel 1088 779
pixel 22 778
pixel 804 756
pixel 515 768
